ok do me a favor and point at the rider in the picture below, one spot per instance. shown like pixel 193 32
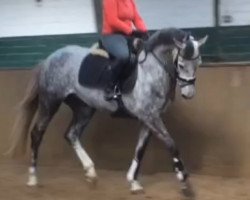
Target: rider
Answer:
pixel 120 20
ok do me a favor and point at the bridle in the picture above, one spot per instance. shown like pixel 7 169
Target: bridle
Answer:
pixel 172 71
pixel 185 81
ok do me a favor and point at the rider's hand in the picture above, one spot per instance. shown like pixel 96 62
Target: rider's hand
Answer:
pixel 140 34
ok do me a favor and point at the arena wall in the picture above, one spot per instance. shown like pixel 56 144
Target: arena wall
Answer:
pixel 212 130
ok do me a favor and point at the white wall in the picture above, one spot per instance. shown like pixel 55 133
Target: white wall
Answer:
pixel 238 10
pixel 27 17
pixel 179 13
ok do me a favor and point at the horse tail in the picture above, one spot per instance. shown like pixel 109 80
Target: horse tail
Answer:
pixel 25 113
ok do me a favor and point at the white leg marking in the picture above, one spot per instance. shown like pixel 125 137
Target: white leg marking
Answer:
pixel 131 171
pixel 32 177
pixel 135 186
pixel 82 155
pixel 87 163
pixel 91 175
pixel 180 176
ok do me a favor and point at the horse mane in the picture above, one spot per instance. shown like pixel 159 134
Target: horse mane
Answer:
pixel 165 37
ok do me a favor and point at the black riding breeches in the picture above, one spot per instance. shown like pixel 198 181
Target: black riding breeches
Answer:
pixel 117 46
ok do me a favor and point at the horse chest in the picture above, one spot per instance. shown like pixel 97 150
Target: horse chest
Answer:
pixel 151 99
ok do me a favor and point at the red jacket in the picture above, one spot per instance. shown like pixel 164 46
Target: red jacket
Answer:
pixel 121 16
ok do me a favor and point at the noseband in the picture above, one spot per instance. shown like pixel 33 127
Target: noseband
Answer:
pixel 186 82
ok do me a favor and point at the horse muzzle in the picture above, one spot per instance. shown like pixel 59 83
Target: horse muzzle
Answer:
pixel 188 91
pixel 187 87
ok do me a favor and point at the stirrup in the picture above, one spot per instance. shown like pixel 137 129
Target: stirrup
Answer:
pixel 114 95
pixel 117 92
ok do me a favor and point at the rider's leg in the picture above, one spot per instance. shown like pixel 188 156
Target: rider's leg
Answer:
pixel 117 46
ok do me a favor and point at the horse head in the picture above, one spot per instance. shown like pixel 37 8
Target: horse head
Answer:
pixel 184 52
pixel 188 60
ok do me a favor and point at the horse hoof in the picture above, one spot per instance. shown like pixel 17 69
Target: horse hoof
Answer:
pixel 91 176
pixel 188 191
pixel 91 179
pixel 135 192
pixel 32 182
pixel 136 188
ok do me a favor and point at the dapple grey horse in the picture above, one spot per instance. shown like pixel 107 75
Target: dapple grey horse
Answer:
pixel 56 81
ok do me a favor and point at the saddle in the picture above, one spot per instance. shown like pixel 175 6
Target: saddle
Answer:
pixel 95 68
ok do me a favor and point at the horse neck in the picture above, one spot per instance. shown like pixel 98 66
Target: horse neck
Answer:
pixel 153 86
pixel 151 73
pixel 166 54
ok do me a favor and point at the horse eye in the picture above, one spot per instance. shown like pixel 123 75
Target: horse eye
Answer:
pixel 181 66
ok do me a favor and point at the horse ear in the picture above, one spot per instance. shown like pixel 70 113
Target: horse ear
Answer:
pixel 202 40
pixel 179 44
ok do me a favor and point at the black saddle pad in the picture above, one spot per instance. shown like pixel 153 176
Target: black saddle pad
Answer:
pixel 94 71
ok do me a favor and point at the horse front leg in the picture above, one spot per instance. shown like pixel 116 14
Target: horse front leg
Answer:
pixel 132 175
pixel 158 128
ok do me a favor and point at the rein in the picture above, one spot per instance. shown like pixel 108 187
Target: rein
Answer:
pixel 173 72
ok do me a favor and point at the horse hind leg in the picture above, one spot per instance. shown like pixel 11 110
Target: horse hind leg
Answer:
pixel 82 114
pixel 46 111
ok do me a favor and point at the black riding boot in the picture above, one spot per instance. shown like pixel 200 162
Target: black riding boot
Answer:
pixel 112 90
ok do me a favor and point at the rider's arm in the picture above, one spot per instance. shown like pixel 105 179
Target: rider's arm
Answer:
pixel 138 21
